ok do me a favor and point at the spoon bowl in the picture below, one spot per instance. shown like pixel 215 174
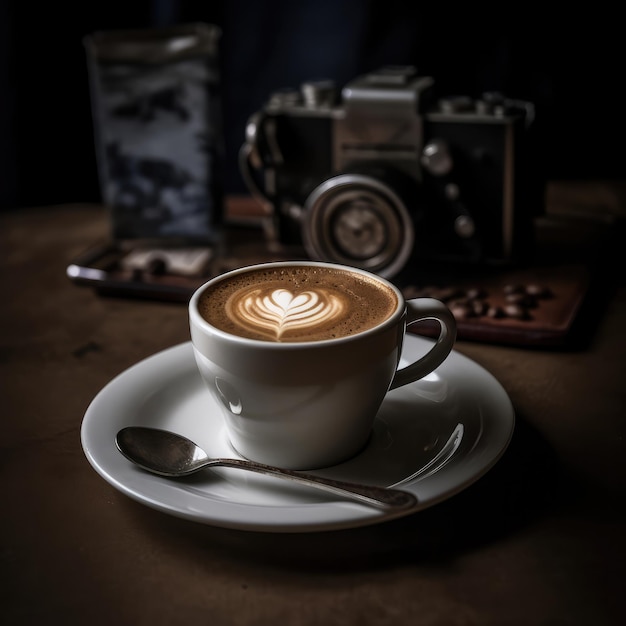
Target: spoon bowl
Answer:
pixel 171 455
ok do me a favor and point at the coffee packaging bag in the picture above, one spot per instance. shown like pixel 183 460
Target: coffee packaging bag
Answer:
pixel 156 110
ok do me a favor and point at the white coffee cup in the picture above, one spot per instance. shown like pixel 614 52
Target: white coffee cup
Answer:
pixel 304 402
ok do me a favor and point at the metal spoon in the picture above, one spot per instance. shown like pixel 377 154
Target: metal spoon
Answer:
pixel 167 454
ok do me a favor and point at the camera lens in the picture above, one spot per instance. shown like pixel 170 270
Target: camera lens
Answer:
pixel 360 221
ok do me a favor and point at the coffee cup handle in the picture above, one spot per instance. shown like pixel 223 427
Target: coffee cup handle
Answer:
pixel 419 309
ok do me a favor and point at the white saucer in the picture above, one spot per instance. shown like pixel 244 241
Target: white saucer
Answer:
pixel 433 438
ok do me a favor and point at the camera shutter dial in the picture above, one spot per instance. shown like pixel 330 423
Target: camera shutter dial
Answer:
pixel 436 158
pixel 357 220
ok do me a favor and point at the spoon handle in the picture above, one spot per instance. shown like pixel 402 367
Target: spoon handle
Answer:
pixel 369 494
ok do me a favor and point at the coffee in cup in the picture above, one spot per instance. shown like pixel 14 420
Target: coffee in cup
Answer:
pixel 300 355
pixel 297 303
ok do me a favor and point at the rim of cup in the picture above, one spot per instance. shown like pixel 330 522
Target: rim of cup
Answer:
pixel 197 320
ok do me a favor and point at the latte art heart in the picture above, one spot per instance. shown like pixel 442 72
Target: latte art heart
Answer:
pixel 280 310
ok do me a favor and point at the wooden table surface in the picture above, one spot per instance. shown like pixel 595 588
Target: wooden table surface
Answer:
pixel 540 539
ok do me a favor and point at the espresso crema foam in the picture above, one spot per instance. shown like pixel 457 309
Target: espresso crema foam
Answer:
pixel 290 304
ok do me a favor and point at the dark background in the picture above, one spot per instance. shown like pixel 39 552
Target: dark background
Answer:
pixel 569 64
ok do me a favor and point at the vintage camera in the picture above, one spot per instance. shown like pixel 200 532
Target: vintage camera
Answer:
pixel 385 175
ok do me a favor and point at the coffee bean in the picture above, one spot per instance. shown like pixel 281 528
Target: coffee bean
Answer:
pixel 479 307
pixel 514 298
pixel 474 293
pixel 509 289
pixel 522 299
pixel 495 312
pixel 461 311
pixel 157 266
pixel 539 291
pixel 516 312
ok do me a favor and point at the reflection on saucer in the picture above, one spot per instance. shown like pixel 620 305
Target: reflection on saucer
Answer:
pixel 432 387
pixel 445 454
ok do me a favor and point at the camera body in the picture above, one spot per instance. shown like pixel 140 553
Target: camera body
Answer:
pixel 383 176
